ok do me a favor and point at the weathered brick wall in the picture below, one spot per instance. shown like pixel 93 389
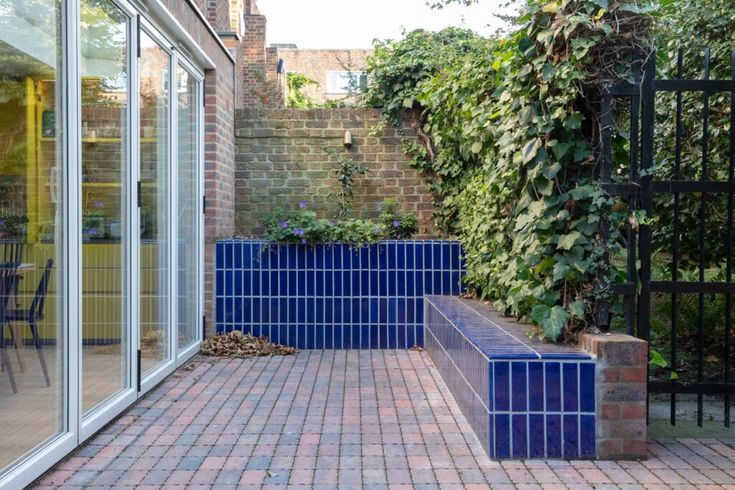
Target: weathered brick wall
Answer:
pixel 622 375
pixel 281 161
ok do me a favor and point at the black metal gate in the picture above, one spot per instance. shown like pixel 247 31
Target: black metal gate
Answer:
pixel 641 189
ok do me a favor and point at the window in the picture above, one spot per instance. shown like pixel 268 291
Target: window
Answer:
pixel 345 82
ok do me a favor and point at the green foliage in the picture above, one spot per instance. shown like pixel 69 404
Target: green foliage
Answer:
pixel 508 130
pixel 346 173
pixel 304 226
pixel 295 97
pixel 396 224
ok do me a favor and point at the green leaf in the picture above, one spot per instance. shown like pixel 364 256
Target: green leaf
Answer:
pixel 566 242
pixel 554 324
pixel 530 150
pixel 476 147
pixel 656 359
pixel 578 309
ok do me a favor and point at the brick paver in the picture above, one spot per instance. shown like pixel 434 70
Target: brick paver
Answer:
pixel 373 419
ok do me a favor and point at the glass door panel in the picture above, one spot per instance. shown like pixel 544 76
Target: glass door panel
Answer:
pixel 154 68
pixel 32 340
pixel 187 209
pixel 105 167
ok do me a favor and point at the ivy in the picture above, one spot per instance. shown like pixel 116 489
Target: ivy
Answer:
pixel 509 130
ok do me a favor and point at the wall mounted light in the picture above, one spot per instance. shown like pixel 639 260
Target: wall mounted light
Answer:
pixel 347 140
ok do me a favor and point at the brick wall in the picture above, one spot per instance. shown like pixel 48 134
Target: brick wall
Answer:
pixel 280 161
pixel 317 63
pixel 622 377
pixel 219 154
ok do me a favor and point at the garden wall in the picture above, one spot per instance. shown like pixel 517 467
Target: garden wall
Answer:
pixel 281 161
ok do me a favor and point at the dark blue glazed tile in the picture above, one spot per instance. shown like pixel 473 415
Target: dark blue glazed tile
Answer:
pixel 419 337
pixel 220 283
pixel 346 284
pixel 300 305
pixel 419 287
pixel 275 312
pixel 587 436
pixel 571 387
pixel 229 310
pixel 446 256
pixel 536 386
pixel 382 337
pixel 401 337
pixel 228 254
pixel 310 280
pixel 274 283
pixel 237 259
pixel 220 310
pixel 346 337
pixel 355 283
pixel 520 436
pixel 311 258
pixel 536 436
pixel 553 436
pixel 220 255
pixel 411 336
pixel 392 336
pixel 502 436
pixel 331 337
pixel 587 387
pixel 360 337
pixel 317 332
pixel 372 337
pixel 519 390
pixel 292 283
pixel 571 436
pixel 355 310
pixel 337 256
pixel 553 386
pixel 254 281
pixel 501 381
pixel 392 256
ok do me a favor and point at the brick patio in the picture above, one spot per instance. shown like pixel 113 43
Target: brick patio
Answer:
pixel 378 419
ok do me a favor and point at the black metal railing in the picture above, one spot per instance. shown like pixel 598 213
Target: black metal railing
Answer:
pixel 640 192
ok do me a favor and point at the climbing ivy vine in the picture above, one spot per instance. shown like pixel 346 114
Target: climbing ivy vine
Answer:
pixel 508 132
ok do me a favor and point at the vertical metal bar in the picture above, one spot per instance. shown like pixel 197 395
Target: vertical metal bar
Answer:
pixel 648 99
pixel 630 300
pixel 675 244
pixel 647 137
pixel 702 230
pixel 602 306
pixel 728 272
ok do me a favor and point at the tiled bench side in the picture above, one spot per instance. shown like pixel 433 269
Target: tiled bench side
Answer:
pixel 523 399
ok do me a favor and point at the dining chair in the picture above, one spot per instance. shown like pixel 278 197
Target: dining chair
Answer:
pixel 33 314
pixel 8 274
pixel 12 254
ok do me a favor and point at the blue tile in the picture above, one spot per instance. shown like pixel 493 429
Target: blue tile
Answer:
pixel 587 436
pixel 347 283
pixel 520 441
pixel 553 436
pixel 220 309
pixel 374 283
pixel 253 280
pixel 501 395
pixel 337 337
pixel 411 337
pixel 220 255
pixel 419 337
pixel 571 390
pixel 354 337
pixel 323 337
pixel 292 283
pixel 536 386
pixel 220 283
pixel 553 386
pixel 519 391
pixel 502 436
pixel 228 253
pixel 587 387
pixel 275 311
pixel 571 437
pixel 237 259
pixel 373 337
pixel 428 256
pixel 536 436
pixel 382 337
pixel 274 283
pixel 437 252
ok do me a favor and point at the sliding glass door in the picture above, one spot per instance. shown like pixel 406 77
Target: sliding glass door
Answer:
pixel 33 344
pixel 105 87
pixel 188 210
pixel 153 72
pixel 100 220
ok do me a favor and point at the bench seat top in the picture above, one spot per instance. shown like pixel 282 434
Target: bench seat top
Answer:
pixel 498 337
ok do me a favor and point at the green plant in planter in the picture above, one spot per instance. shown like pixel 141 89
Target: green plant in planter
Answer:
pixel 346 172
pixel 396 224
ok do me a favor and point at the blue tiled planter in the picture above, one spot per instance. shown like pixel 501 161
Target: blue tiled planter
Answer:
pixel 333 296
pixel 524 399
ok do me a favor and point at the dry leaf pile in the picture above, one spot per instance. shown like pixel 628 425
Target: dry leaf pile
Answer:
pixel 237 344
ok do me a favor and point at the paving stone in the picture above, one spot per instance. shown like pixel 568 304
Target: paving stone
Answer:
pixel 342 419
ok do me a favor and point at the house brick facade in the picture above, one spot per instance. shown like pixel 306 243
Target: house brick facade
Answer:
pixel 316 64
pixel 219 116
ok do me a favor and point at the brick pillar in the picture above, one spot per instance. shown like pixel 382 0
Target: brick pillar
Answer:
pixel 621 385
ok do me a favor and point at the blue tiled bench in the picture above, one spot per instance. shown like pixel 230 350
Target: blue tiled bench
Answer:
pixel 523 398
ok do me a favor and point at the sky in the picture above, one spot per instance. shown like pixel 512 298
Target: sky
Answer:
pixel 353 24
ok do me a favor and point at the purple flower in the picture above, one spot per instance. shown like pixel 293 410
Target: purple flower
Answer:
pixel 2 222
pixel 303 204
pixel 92 232
pixel 396 224
pixel 283 224
pixel 378 231
pixel 298 232
pixel 98 204
pixel 304 241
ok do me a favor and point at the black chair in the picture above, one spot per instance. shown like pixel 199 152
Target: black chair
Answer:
pixel 33 314
pixel 8 273
pixel 12 252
